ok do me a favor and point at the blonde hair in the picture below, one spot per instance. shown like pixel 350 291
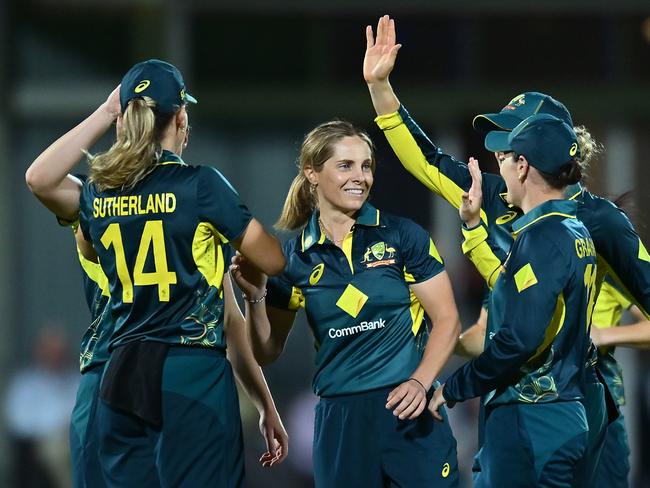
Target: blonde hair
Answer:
pixel 135 150
pixel 317 147
pixel 587 146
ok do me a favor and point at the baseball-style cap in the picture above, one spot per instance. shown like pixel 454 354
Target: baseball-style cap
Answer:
pixel 158 80
pixel 547 142
pixel 520 108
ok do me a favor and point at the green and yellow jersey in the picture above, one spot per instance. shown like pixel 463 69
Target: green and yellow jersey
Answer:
pixel 539 313
pixel 160 244
pixel 94 343
pixel 610 305
pixel 367 324
pixel 621 252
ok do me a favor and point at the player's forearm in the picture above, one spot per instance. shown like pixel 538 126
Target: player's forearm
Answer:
pixel 383 97
pixel 52 166
pixel 264 346
pixel 440 346
pixel 635 335
pixel 248 372
pixel 471 342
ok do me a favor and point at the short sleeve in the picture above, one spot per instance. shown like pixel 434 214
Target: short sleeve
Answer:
pixel 220 204
pixel 421 258
pixel 85 210
pixel 281 292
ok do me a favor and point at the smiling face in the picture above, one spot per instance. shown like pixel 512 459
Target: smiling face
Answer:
pixel 344 180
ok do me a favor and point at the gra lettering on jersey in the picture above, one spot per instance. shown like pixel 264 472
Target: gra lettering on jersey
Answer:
pixel 125 205
pixel 356 329
pixel 585 247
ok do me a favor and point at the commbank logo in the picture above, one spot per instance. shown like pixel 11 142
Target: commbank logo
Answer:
pixel 356 329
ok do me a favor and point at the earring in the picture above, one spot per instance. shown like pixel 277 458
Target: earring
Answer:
pixel 521 178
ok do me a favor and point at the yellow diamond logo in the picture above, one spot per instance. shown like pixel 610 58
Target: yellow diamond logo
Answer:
pixel 525 278
pixel 352 301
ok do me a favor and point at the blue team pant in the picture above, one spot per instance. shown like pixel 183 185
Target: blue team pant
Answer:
pixel 84 447
pixel 533 445
pixel 200 441
pixel 614 464
pixel 359 443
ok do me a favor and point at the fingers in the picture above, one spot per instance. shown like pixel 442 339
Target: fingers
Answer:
pixel 370 41
pixel 436 413
pixel 391 32
pixel 406 401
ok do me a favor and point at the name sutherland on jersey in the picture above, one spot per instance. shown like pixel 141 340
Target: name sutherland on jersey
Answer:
pixel 134 205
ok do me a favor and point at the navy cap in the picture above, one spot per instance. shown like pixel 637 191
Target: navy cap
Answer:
pixel 520 108
pixel 547 142
pixel 158 80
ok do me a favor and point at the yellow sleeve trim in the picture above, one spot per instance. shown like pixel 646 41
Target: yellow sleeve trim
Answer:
pixel 481 255
pixel 95 273
pixel 643 253
pixel 207 253
pixel 433 251
pixel 525 278
pixel 297 299
pixel 410 155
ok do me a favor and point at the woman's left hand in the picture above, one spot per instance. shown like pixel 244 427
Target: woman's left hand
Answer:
pixel 408 400
pixel 276 438
pixel 436 402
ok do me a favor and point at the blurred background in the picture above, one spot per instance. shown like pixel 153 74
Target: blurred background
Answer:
pixel 265 73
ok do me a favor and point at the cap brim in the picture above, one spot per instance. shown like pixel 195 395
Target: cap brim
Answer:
pixel 501 121
pixel 497 141
pixel 189 98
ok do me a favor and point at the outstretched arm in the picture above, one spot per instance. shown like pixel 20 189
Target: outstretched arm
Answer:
pixel 636 335
pixel 251 379
pixel 48 176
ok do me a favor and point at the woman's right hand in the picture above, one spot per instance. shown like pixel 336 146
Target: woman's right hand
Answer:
pixel 470 208
pixel 249 279
pixel 112 103
pixel 381 52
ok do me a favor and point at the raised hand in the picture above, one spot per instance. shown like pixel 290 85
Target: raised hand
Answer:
pixel 470 208
pixel 380 52
pixel 112 103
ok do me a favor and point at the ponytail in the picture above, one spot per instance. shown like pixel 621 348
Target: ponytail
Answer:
pixel 136 149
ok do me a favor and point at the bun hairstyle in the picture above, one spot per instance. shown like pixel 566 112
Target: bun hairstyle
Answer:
pixel 569 174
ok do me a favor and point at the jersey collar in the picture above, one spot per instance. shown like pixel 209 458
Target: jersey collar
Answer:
pixel 574 191
pixel 561 208
pixel 312 233
pixel 168 157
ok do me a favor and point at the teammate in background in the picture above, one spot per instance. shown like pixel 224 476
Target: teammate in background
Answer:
pixel 533 366
pixel 158 226
pixel 624 258
pixel 365 279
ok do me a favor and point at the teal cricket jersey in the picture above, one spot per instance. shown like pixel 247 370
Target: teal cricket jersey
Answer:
pixel 94 343
pixel 610 305
pixel 621 252
pixel 366 321
pixel 160 245
pixel 539 314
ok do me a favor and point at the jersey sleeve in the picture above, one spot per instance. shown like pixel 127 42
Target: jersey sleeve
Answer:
pixel 421 258
pixel 220 204
pixel 281 293
pixel 625 257
pixel 440 172
pixel 85 210
pixel 529 283
pixel 484 254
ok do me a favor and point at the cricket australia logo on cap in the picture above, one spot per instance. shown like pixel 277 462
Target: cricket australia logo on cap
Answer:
pixel 375 254
pixel 142 86
pixel 518 101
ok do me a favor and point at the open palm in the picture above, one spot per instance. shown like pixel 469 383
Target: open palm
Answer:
pixel 381 52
